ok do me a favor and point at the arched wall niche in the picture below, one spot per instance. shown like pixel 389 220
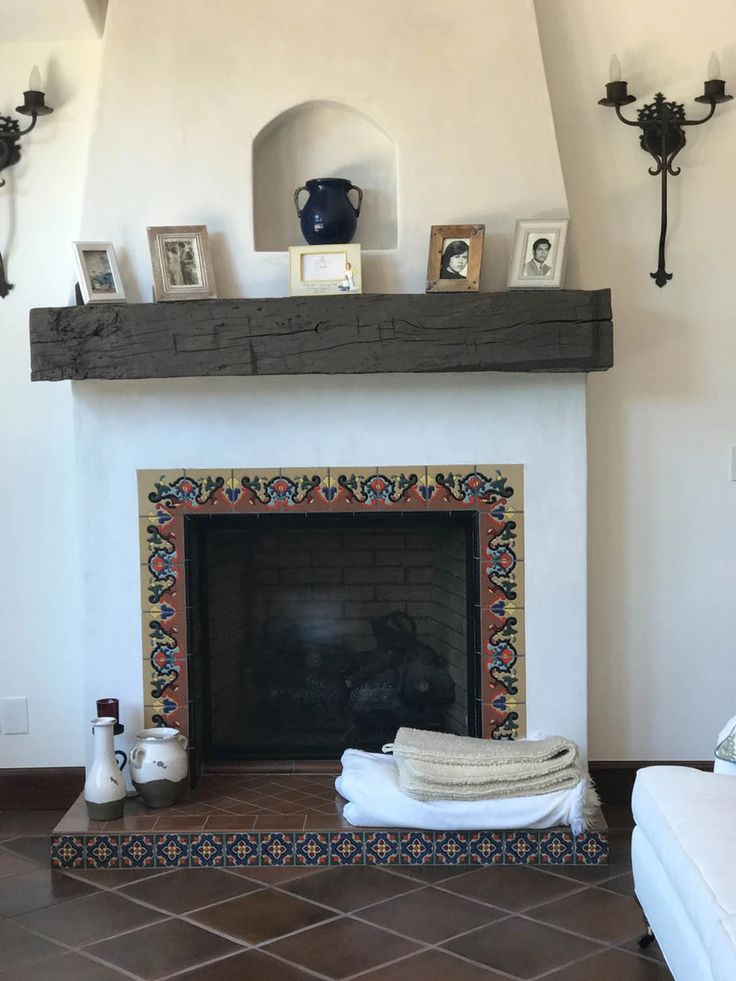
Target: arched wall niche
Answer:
pixel 322 139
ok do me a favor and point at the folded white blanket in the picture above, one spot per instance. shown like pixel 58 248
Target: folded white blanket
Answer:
pixel 370 784
pixel 441 766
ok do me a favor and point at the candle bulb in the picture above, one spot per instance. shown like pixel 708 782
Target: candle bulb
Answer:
pixel 714 68
pixel 616 90
pixel 34 82
pixel 614 69
pixel 714 88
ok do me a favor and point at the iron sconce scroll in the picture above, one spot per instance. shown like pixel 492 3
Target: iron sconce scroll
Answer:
pixel 662 136
pixel 34 105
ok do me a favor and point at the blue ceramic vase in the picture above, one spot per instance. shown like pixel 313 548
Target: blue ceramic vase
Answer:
pixel 329 217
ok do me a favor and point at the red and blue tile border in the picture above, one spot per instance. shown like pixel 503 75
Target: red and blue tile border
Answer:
pixel 555 847
pixel 493 493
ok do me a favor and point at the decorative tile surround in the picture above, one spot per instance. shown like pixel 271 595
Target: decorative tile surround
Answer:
pixel 494 493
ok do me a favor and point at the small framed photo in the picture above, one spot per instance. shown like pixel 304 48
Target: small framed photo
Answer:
pixel 99 276
pixel 320 269
pixel 455 256
pixel 538 255
pixel 182 262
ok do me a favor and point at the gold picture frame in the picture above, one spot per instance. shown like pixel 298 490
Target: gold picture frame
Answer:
pixel 455 257
pixel 182 262
pixel 325 269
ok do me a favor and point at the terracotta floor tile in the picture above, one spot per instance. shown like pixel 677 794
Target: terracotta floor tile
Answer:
pixel 250 966
pixel 433 965
pixel 348 889
pixel 261 916
pixel 431 915
pixel 18 947
pixel 342 948
pixel 186 889
pixel 37 889
pixel 652 952
pixel 29 822
pixel 522 948
pixel 13 864
pixel 34 850
pixel 82 921
pixel 280 822
pixel 595 913
pixel 68 967
pixel 430 874
pixel 275 875
pixel 623 884
pixel 113 878
pixel 510 887
pixel 612 965
pixel 163 949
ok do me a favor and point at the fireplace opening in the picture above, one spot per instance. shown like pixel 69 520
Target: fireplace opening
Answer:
pixel 312 633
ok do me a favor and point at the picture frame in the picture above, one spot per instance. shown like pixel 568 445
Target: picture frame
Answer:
pixel 539 254
pixel 99 276
pixel 325 270
pixel 182 263
pixel 455 257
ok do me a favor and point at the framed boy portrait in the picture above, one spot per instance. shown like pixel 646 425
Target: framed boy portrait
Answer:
pixel 455 256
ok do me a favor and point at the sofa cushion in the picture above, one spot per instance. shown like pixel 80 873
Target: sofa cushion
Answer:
pixel 689 817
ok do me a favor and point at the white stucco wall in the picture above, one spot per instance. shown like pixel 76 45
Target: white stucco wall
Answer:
pixel 662 510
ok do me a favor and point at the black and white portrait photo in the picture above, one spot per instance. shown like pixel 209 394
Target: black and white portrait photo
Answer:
pixel 538 255
pixel 454 263
pixel 182 263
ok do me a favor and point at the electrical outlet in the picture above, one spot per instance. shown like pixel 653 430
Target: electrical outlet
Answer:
pixel 15 715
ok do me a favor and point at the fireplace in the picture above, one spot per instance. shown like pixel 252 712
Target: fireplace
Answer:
pixel 289 614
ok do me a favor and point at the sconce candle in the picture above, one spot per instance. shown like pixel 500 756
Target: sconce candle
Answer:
pixel 616 90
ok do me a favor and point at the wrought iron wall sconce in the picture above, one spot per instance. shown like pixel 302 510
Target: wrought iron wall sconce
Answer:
pixel 34 105
pixel 662 126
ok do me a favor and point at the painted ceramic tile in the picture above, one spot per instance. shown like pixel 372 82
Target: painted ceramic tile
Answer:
pixel 103 852
pixel 376 489
pixel 207 850
pixel 504 718
pixel 312 848
pixel 504 638
pixel 500 582
pixel 241 849
pixel 67 852
pixel 162 581
pixel 452 848
pixel 486 848
pixel 200 491
pixel 277 849
pixel 261 489
pixel 147 481
pixel 591 848
pixel 450 488
pixel 311 486
pixel 346 848
pixel 382 848
pixel 500 485
pixel 501 530
pixel 136 851
pixel 521 848
pixel 556 848
pixel 417 848
pixel 172 850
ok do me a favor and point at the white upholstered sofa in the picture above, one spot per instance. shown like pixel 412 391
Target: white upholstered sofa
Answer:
pixel 684 863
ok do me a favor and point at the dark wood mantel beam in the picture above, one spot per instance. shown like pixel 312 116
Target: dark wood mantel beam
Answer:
pixel 534 330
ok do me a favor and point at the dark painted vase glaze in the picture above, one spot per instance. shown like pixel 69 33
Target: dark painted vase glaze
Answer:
pixel 329 217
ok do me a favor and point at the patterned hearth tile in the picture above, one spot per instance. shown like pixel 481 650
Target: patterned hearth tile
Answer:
pixel 172 849
pixel 449 488
pixel 207 850
pixel 241 849
pixel 521 848
pixel 417 848
pixel 265 490
pixel 346 848
pixel 382 848
pixel 214 485
pixel 503 718
pixel 486 848
pixel 136 851
pixel 312 487
pixel 147 479
pixel 591 848
pixel 452 848
pixel 557 848
pixel 502 531
pixel 193 490
pixel 312 849
pixel 500 485
pixel 277 849
pixel 369 489
pixel 102 852
pixel 67 852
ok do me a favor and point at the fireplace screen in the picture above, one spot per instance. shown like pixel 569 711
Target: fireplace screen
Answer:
pixel 321 632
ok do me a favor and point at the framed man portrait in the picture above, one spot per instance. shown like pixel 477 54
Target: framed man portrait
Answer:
pixel 538 255
pixel 455 256
pixel 181 262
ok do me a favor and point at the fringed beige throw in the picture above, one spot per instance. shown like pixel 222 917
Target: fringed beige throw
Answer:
pixel 439 766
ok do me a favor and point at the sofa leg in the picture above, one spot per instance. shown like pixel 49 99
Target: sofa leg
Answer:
pixel 646 938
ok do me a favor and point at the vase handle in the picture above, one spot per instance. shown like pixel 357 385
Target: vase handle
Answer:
pixel 354 187
pixel 182 739
pixel 297 192
pixel 121 766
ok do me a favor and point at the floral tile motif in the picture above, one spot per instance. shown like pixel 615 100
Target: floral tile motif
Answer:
pixel 368 489
pixel 277 849
pixel 486 848
pixel 172 850
pixel 136 851
pixel 346 848
pixel 451 848
pixel 241 849
pixel 279 490
pixel 521 848
pixel 382 848
pixel 67 852
pixel 194 490
pixel 312 849
pixel 557 848
pixel 591 848
pixel 103 852
pixel 146 481
pixel 207 850
pixel 417 848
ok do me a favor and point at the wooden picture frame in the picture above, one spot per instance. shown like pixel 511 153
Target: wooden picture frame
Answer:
pixel 99 276
pixel 325 269
pixel 539 254
pixel 455 257
pixel 182 262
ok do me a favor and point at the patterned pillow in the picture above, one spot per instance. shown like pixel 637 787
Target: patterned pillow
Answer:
pixel 726 749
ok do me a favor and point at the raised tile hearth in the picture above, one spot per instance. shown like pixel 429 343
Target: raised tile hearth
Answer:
pixel 239 819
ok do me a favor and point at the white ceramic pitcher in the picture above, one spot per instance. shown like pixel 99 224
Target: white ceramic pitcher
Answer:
pixel 104 787
pixel 158 765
